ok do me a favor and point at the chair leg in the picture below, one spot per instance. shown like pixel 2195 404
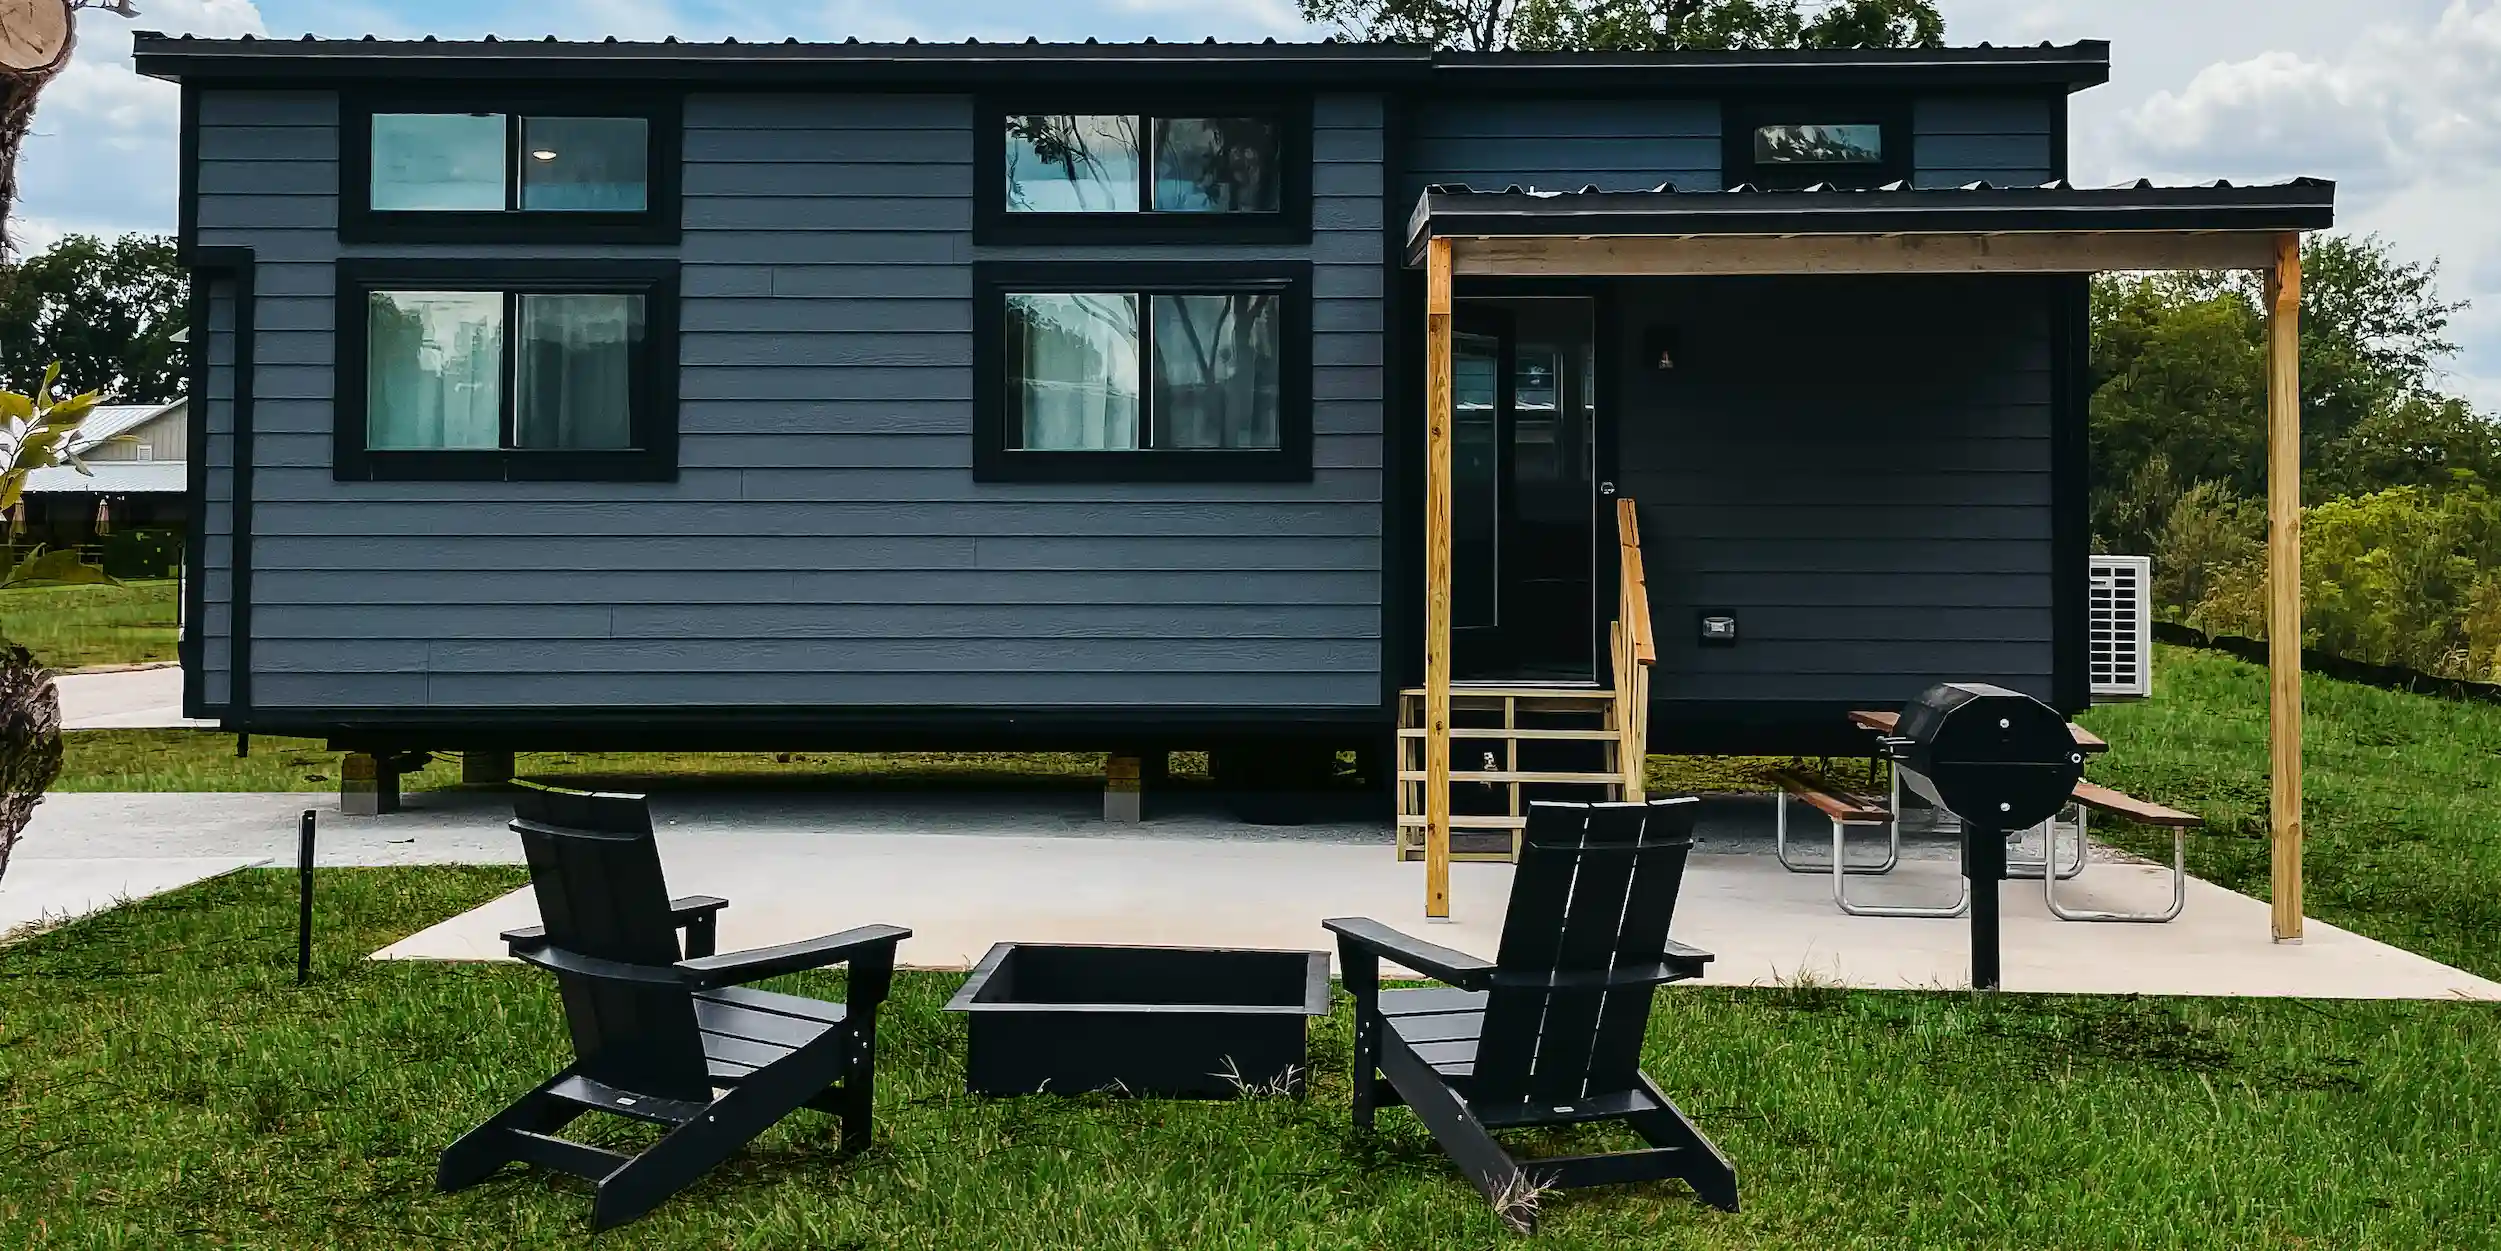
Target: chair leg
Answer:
pixel 1710 1174
pixel 859 1088
pixel 696 1147
pixel 1461 1136
pixel 481 1151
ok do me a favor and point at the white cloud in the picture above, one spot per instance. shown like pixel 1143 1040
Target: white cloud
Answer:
pixel 1223 19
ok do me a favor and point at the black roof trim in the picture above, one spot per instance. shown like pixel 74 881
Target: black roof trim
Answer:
pixel 2298 204
pixel 191 58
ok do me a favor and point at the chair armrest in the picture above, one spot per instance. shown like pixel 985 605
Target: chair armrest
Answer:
pixel 740 967
pixel 559 960
pixel 687 911
pixel 1456 968
pixel 1678 953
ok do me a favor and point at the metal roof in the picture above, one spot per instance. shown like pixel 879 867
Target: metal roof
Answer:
pixel 105 421
pixel 1328 62
pixel 112 477
pixel 1897 208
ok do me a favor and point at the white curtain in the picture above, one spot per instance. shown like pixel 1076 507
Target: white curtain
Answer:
pixel 574 385
pixel 1073 361
pixel 434 370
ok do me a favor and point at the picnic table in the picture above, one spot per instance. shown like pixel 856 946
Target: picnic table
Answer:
pixel 1846 808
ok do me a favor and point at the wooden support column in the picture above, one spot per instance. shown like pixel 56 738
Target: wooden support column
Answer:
pixel 1437 525
pixel 2283 292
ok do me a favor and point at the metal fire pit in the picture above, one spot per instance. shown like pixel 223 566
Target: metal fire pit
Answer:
pixel 1999 760
pixel 1179 1022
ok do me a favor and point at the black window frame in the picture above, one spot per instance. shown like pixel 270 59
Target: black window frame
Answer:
pixel 655 390
pixel 1291 223
pixel 1742 117
pixel 660 221
pixel 995 460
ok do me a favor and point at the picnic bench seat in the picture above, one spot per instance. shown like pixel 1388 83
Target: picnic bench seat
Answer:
pixel 1843 808
pixel 2094 797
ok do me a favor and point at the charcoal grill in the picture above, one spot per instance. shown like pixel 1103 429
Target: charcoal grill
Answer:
pixel 1999 761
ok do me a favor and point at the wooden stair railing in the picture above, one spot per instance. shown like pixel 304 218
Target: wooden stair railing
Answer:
pixel 1635 650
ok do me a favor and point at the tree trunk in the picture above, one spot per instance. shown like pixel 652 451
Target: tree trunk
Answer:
pixel 35 41
pixel 30 742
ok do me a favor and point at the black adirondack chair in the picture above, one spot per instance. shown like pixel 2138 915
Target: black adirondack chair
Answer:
pixel 1550 1032
pixel 657 1031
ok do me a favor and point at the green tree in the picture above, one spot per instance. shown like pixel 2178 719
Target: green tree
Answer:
pixel 106 312
pixel 1629 25
pixel 2179 372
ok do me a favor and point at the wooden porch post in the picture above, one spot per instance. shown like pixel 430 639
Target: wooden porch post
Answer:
pixel 2283 290
pixel 1437 473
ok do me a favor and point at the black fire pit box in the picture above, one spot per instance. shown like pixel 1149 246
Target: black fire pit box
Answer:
pixel 1170 1021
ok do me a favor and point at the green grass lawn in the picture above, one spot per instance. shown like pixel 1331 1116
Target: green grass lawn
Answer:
pixel 72 627
pixel 163 1083
pixel 205 760
pixel 2401 811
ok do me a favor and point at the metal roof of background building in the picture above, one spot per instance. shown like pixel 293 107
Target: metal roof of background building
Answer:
pixel 116 477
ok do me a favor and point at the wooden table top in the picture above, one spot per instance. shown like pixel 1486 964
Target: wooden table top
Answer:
pixel 1884 723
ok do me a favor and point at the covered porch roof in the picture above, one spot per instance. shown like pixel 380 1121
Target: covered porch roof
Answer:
pixel 2053 228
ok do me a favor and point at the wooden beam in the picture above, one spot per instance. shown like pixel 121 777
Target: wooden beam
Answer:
pixel 2036 253
pixel 2283 289
pixel 1437 527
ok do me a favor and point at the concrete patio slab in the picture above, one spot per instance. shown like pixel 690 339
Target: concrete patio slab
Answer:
pixel 52 890
pixel 960 894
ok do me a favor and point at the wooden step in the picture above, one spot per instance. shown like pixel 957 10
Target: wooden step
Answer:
pixel 1591 694
pixel 1523 733
pixel 1460 822
pixel 1506 775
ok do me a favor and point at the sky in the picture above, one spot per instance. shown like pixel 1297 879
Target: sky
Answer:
pixel 2398 100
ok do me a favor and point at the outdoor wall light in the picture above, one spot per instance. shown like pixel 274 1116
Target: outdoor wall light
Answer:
pixel 1659 347
pixel 543 154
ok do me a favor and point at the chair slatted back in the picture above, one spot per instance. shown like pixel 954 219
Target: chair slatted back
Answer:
pixel 1594 891
pixel 596 872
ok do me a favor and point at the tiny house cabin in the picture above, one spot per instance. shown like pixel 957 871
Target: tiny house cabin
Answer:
pixel 590 394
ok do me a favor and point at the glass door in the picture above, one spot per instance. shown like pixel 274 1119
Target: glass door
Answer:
pixel 1523 491
pixel 1480 375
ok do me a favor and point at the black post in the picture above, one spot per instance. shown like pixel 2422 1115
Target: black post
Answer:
pixel 1984 866
pixel 304 898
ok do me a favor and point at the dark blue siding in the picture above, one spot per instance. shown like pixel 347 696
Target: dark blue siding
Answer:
pixel 1564 145
pixel 1857 469
pixel 2004 140
pixel 825 543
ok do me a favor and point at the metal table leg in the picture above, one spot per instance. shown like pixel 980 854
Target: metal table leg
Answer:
pixel 1780 843
pixel 2179 887
pixel 2023 867
pixel 1841 894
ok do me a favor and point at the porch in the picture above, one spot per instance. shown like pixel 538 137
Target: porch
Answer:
pixel 1472 245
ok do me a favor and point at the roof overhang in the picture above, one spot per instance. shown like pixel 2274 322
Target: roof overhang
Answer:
pixel 1978 229
pixel 1347 65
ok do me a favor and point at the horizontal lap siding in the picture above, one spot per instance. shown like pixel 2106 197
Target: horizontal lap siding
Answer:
pixel 2006 141
pixel 824 543
pixel 1564 145
pixel 1858 470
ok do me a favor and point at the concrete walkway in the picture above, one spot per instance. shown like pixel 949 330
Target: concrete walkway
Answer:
pixel 124 699
pixel 967 870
